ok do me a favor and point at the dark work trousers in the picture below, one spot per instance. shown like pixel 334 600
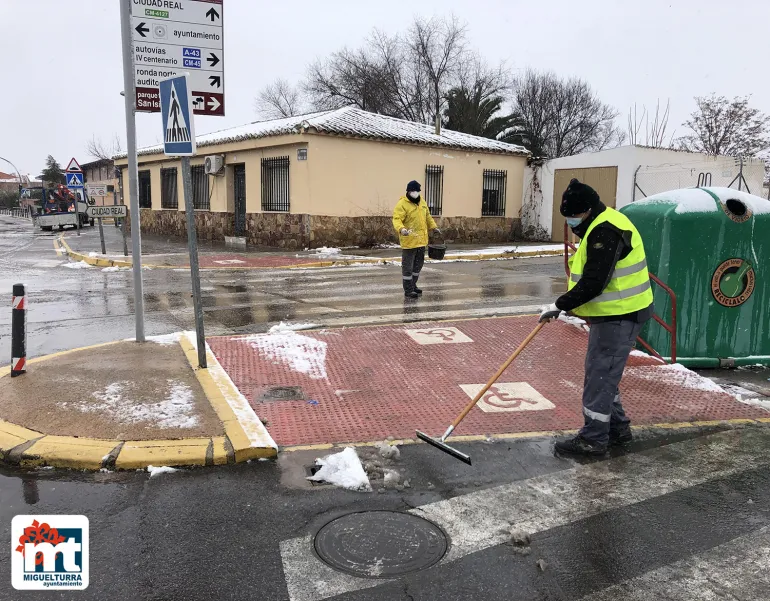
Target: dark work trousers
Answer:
pixel 609 345
pixel 412 260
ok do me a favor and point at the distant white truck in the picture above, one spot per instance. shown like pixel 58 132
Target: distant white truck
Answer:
pixel 58 210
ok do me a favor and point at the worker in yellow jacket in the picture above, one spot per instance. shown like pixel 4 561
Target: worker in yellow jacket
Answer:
pixel 413 222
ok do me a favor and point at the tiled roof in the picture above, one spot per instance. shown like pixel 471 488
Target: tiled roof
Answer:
pixel 355 123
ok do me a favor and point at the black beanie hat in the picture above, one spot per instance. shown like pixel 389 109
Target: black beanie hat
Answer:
pixel 578 198
pixel 413 186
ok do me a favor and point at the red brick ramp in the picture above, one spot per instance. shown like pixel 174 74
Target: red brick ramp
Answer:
pixel 365 384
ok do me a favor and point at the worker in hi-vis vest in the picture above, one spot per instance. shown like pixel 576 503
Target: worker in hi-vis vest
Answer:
pixel 609 287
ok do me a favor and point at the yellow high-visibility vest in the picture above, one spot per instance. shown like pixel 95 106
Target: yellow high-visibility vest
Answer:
pixel 629 288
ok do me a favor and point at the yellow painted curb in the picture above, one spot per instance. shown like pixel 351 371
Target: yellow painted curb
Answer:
pixel 242 447
pixel 67 451
pixel 140 454
pixel 12 436
pixel 92 454
pixel 528 435
pixel 95 261
pixel 101 262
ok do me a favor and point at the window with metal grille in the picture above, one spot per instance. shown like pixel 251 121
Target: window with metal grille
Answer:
pixel 434 188
pixel 145 185
pixel 200 188
pixel 275 184
pixel 493 193
pixel 168 189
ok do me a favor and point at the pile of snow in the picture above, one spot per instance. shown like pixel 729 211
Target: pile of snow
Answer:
pixel 78 265
pixel 302 354
pixel 326 251
pixel 642 354
pixel 388 451
pixel 697 200
pixel 343 469
pixel 93 254
pixel 176 410
pixel 675 375
pixel 165 339
pixel 164 469
pixel 113 269
pixel 510 250
pixel 292 327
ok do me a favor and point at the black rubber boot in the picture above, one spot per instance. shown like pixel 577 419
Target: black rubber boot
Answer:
pixel 620 437
pixel 414 285
pixel 579 446
pixel 409 289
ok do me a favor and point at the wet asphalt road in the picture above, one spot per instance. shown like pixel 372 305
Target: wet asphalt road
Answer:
pixel 70 308
pixel 682 516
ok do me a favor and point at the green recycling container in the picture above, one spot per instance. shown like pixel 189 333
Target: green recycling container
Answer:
pixel 711 246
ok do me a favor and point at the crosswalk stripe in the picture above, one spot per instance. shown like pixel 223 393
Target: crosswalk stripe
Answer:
pixel 736 570
pixel 483 519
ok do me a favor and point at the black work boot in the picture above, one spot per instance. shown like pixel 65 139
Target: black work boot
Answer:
pixel 409 290
pixel 620 436
pixel 579 446
pixel 414 285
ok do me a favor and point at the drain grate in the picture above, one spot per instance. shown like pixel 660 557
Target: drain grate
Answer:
pixel 282 393
pixel 380 544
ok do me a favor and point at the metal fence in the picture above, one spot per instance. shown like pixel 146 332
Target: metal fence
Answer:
pixel 493 193
pixel 434 188
pixel 745 175
pixel 275 184
pixel 20 213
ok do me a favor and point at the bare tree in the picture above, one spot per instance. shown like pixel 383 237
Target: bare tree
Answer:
pixel 438 45
pixel 726 127
pixel 654 134
pixel 405 76
pixel 278 100
pixel 555 117
pixel 100 150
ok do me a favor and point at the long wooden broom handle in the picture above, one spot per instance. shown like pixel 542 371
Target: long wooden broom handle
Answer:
pixel 494 378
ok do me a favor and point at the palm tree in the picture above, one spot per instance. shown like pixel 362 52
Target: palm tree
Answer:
pixel 472 111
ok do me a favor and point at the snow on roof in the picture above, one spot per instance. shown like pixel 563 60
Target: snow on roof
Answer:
pixel 355 123
pixel 698 200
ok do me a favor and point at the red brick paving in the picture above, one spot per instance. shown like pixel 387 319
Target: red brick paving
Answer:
pixel 382 383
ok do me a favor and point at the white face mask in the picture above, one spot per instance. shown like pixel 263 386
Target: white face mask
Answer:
pixel 414 195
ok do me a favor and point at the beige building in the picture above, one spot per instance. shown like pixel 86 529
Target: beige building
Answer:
pixel 103 172
pixel 332 178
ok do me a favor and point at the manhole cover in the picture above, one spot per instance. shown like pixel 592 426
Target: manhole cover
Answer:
pixel 380 544
pixel 282 393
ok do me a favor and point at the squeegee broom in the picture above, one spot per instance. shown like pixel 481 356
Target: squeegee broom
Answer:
pixel 440 443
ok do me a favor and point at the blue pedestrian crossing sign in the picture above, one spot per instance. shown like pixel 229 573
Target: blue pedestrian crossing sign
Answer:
pixel 175 109
pixel 74 180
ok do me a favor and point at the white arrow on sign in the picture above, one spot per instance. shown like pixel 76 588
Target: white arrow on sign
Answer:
pixel 214 104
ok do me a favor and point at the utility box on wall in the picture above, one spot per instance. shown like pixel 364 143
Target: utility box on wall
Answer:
pixel 711 246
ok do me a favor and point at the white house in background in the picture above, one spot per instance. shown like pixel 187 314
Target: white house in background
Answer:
pixel 625 174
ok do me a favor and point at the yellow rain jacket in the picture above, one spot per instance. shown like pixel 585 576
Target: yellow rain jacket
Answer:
pixel 415 217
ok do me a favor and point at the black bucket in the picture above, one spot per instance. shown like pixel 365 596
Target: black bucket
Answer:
pixel 436 251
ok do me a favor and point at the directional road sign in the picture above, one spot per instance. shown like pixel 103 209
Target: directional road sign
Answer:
pixel 96 189
pixel 74 179
pixel 107 211
pixel 185 36
pixel 176 111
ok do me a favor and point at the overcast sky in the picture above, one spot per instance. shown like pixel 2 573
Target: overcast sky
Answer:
pixel 62 68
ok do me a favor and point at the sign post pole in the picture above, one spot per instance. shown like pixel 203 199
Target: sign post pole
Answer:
pixel 133 172
pixel 192 240
pixel 101 237
pixel 179 141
